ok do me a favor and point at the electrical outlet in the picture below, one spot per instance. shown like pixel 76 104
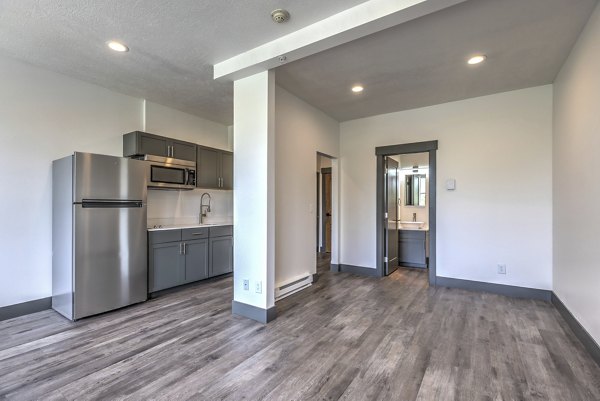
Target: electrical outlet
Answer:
pixel 246 285
pixel 258 287
pixel 501 269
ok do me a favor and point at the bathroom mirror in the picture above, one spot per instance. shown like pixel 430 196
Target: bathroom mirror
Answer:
pixel 415 193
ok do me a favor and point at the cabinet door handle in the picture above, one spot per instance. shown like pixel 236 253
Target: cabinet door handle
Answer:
pixel 184 250
pixel 197 233
pixel 181 248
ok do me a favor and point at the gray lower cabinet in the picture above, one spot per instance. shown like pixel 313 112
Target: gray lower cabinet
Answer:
pixel 178 257
pixel 412 248
pixel 221 255
pixel 196 260
pixel 167 267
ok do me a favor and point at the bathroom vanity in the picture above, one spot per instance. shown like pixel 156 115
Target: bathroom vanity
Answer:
pixel 413 247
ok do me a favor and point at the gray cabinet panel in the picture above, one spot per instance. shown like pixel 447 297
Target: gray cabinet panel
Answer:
pixel 412 248
pixel 183 256
pixel 152 145
pixel 183 150
pixel 167 266
pixel 196 260
pixel 139 143
pixel 226 170
pixel 159 237
pixel 221 231
pixel 142 143
pixel 194 233
pixel 207 164
pixel 221 255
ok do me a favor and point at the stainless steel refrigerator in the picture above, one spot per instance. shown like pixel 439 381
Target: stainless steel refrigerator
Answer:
pixel 99 247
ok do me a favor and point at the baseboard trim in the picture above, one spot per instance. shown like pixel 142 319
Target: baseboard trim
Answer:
pixel 253 312
pixel 25 308
pixel 500 289
pixel 359 270
pixel 580 332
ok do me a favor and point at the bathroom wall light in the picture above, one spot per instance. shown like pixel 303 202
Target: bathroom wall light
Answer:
pixel 357 88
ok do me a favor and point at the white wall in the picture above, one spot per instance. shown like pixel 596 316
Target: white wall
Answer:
pixel 162 120
pixel 576 184
pixel 301 131
pixel 45 116
pixel 499 149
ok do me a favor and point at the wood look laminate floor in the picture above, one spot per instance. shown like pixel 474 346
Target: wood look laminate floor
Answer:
pixel 346 337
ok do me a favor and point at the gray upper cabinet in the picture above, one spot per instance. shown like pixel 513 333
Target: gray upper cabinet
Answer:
pixel 226 170
pixel 140 143
pixel 207 164
pixel 151 145
pixel 215 168
pixel 183 150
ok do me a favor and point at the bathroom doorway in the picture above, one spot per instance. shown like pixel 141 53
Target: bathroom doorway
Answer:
pixel 406 207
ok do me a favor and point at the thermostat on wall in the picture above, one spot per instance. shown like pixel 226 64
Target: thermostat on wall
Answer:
pixel 451 184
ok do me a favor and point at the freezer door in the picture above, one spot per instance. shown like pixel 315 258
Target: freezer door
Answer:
pixel 108 177
pixel 110 256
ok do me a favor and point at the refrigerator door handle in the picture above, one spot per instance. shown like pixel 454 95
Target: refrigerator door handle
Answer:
pixel 101 204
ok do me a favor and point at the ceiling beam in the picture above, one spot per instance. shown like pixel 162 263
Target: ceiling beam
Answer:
pixel 362 20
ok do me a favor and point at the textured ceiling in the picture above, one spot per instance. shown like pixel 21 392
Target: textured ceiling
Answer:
pixel 422 62
pixel 174 43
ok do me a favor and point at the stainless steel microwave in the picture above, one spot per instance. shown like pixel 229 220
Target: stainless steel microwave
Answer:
pixel 169 173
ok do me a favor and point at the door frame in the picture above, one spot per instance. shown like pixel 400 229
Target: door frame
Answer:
pixel 407 148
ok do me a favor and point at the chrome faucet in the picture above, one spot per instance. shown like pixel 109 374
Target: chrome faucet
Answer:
pixel 415 217
pixel 204 208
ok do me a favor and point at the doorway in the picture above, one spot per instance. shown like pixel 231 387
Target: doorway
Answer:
pixel 326 238
pixel 387 216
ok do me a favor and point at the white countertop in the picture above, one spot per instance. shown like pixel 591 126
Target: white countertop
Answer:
pixel 413 229
pixel 182 226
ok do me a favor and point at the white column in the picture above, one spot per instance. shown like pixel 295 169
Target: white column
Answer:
pixel 254 196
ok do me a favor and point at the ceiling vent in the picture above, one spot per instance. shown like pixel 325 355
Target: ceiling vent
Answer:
pixel 280 16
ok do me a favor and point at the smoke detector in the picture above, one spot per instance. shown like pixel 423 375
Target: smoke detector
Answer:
pixel 280 15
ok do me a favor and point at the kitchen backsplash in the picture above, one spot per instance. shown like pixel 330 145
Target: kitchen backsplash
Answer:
pixel 183 207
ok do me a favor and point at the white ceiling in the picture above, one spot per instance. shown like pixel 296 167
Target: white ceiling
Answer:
pixel 174 43
pixel 423 62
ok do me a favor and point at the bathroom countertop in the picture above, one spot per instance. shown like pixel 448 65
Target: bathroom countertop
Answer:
pixel 413 228
pixel 183 226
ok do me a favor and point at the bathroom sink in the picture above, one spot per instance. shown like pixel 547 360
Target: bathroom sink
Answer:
pixel 411 224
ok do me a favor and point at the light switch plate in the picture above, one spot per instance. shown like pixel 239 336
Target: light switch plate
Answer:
pixel 259 287
pixel 451 184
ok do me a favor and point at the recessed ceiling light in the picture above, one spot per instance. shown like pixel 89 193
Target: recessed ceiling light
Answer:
pixel 117 46
pixel 357 88
pixel 477 59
